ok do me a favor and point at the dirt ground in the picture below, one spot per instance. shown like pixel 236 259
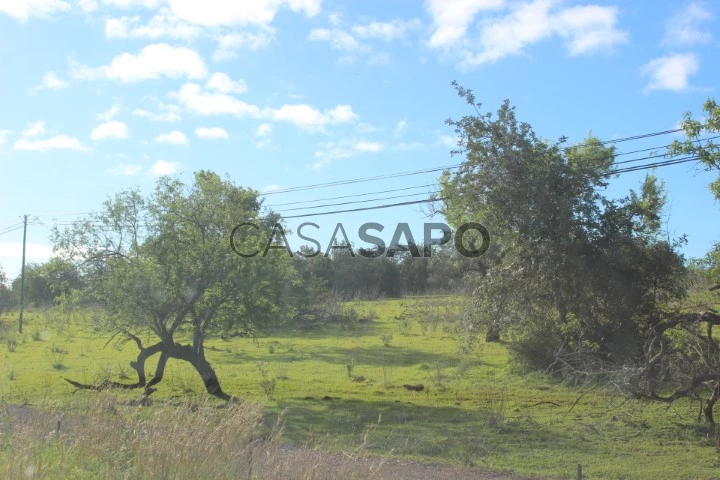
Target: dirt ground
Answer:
pixel 342 466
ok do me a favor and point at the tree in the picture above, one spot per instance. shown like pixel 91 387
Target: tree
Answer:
pixel 162 266
pixel 46 282
pixel 707 152
pixel 6 298
pixel 569 270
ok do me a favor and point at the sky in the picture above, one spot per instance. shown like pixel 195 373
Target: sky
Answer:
pixel 100 96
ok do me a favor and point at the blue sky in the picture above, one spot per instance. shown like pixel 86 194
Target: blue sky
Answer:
pixel 102 95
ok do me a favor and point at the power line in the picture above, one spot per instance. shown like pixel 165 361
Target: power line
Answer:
pixel 376 207
pixel 666 163
pixel 12 229
pixel 358 201
pixel 352 196
pixel 448 167
pixel 638 137
pixel 361 180
pixel 664 146
pixel 429 200
pixel 648 157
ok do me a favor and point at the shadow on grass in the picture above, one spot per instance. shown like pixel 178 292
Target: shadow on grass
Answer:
pixel 394 356
pixel 404 428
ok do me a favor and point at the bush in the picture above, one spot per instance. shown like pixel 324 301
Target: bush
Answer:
pixel 535 351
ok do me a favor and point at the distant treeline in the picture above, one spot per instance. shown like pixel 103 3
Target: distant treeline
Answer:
pixel 348 275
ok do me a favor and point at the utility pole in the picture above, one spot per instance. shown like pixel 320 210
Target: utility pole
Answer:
pixel 22 274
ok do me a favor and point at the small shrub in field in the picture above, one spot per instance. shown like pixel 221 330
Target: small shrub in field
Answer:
pixel 266 383
pixel 387 377
pixel 59 365
pixel 494 414
pixel 11 344
pixel 122 372
pixel 36 336
pixel 59 350
pixel 439 375
pixel 387 340
pixel 11 375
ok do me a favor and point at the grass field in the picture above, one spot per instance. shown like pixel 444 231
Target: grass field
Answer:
pixel 475 408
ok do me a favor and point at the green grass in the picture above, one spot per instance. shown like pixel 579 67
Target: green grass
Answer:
pixel 475 408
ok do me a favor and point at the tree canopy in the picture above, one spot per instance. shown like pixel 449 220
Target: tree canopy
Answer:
pixel 162 265
pixel 570 270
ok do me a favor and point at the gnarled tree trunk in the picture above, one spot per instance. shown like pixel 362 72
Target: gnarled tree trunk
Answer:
pixel 194 356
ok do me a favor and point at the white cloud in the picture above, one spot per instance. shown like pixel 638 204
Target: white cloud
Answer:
pixel 162 25
pixel 229 44
pixel 383 58
pixel 58 142
pixel 271 188
pixel 194 99
pixel 222 83
pixel 331 151
pixel 335 19
pixel 163 167
pixel 34 129
pixel 310 118
pixel 24 9
pixel 448 141
pixel 168 113
pixel 670 72
pixel 401 127
pixel 264 130
pixel 214 13
pixel 108 114
pixel 509 35
pixel 303 116
pixel 408 147
pixel 338 39
pixel 176 137
pixel 87 6
pixel 50 81
pixel 684 28
pixel 263 134
pixel 368 147
pixel 211 133
pixel 589 28
pixel 451 18
pixel 386 31
pixel 126 170
pixel 134 3
pixel 585 29
pixel 154 61
pixel 111 129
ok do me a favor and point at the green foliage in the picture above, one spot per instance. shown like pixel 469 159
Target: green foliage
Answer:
pixel 7 298
pixel 267 384
pixel 46 282
pixel 707 152
pixel 566 264
pixel 162 265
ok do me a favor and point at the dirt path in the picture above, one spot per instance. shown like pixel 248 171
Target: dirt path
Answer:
pixel 326 465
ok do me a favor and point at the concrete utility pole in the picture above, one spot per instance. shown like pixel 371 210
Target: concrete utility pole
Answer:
pixel 22 275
